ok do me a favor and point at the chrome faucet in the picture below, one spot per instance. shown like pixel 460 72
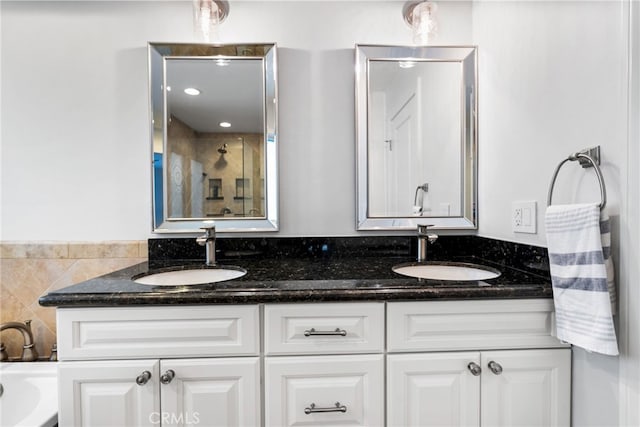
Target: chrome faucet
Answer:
pixel 29 353
pixel 208 240
pixel 424 237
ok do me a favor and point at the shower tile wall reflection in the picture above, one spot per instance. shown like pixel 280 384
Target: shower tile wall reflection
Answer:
pixel 214 174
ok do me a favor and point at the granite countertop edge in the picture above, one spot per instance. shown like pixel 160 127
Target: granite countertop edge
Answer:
pixel 282 282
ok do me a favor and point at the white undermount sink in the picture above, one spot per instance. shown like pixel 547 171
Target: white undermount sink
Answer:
pixel 447 271
pixel 198 276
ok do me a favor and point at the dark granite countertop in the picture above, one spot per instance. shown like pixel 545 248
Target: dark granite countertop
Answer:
pixel 300 279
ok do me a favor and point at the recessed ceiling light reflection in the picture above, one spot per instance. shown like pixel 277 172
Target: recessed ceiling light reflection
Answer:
pixel 221 62
pixel 225 124
pixel 407 64
pixel 192 91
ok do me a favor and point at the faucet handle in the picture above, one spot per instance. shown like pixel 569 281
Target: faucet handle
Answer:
pixel 423 229
pixel 209 229
pixel 209 225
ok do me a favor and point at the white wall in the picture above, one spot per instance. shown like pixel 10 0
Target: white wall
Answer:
pixel 74 106
pixel 552 81
pixel 74 84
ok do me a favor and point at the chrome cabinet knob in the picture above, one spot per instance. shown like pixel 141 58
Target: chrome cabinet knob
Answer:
pixel 495 367
pixel 167 377
pixel 474 368
pixel 143 378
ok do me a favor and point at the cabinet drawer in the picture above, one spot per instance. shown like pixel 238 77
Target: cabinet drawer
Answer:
pixel 470 325
pixel 324 390
pixel 324 328
pixel 192 331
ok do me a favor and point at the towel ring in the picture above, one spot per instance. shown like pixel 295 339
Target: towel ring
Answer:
pixel 574 157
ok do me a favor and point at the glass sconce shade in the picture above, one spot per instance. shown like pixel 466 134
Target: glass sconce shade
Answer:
pixel 421 17
pixel 207 16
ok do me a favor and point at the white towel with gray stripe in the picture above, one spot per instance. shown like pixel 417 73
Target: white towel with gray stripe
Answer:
pixel 579 244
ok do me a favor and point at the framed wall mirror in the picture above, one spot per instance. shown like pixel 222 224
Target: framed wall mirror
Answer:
pixel 416 113
pixel 214 137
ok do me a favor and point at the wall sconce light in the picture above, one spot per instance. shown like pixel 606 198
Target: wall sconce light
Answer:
pixel 421 17
pixel 207 16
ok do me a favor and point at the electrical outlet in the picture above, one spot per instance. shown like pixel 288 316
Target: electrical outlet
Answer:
pixel 524 217
pixel 517 217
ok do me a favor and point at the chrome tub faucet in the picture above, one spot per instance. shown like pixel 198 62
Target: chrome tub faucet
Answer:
pixel 208 240
pixel 29 353
pixel 424 237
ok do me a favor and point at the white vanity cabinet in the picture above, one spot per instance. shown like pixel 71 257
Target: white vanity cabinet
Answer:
pixel 441 382
pixel 419 363
pixel 157 366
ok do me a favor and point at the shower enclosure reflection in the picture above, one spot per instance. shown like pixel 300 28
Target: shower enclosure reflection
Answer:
pixel 214 175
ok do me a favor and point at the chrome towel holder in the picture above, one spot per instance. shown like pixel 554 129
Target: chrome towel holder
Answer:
pixel 587 158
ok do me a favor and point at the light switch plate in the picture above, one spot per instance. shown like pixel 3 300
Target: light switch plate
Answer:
pixel 524 217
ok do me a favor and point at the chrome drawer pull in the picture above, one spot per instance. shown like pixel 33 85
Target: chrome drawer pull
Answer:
pixel 143 378
pixel 312 409
pixel 495 367
pixel 312 331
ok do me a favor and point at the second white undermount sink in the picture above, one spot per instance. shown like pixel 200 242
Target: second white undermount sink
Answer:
pixel 198 276
pixel 449 271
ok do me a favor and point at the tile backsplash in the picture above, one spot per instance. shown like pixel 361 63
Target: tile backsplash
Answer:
pixel 29 270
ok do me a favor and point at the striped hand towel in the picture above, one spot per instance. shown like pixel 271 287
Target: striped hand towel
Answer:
pixel 578 241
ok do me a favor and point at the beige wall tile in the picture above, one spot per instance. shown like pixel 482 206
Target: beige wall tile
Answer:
pixel 143 248
pixel 30 270
pixel 116 249
pixel 34 250
pixel 28 279
pixel 85 269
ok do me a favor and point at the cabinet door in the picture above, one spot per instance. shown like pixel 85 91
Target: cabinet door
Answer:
pixel 526 388
pixel 439 389
pixel 107 393
pixel 210 392
pixel 324 390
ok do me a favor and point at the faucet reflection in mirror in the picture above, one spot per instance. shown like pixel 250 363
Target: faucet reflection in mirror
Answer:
pixel 418 199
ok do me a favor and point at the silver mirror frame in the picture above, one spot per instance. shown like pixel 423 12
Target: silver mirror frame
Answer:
pixel 467 56
pixel 157 53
